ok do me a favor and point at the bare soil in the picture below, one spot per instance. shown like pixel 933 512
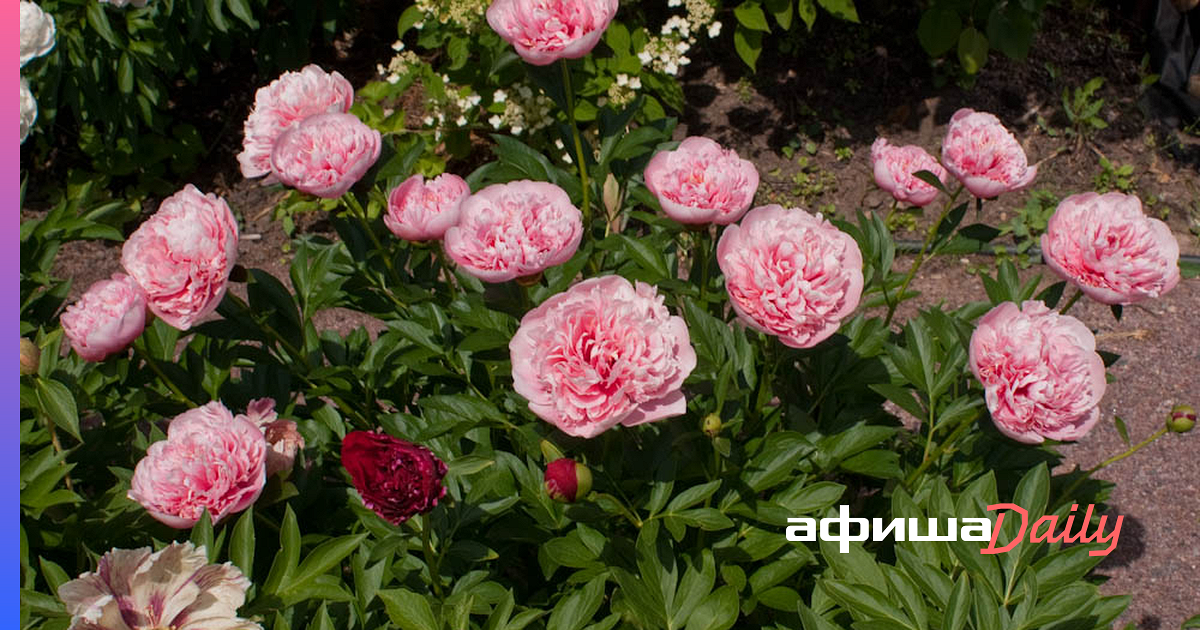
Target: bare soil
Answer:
pixel 857 88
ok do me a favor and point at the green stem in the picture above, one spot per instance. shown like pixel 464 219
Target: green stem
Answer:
pixel 139 348
pixel 583 174
pixel 434 576
pixel 912 271
pixel 702 259
pixel 929 440
pixel 941 450
pixel 443 263
pixel 1071 302
pixel 361 214
pixel 1112 460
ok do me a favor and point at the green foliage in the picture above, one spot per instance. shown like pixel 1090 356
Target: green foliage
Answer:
pixel 111 87
pixel 684 527
pixel 972 30
pixel 1118 177
pixel 1082 108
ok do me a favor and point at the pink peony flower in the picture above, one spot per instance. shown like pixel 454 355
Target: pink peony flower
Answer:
pixel 283 440
pixel 209 460
pixel 423 211
pixel 790 274
pixel 603 353
pixel 281 105
pixel 544 31
pixel 1107 247
pixel 1040 372
pixel 514 230
pixel 985 156
pixel 107 317
pixel 325 154
pixel 182 256
pixel 894 167
pixel 700 182
pixel 175 587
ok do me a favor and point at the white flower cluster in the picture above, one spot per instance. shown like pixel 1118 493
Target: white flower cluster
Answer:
pixel 667 52
pixel 622 91
pixel 466 13
pixel 524 110
pixel 458 103
pixel 38 33
pixel 400 65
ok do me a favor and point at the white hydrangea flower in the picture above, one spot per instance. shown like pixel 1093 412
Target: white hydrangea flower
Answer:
pixel 28 109
pixel 714 29
pixel 37 32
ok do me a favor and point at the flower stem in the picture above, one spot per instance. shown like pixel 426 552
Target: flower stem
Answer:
pixel 583 174
pixel 435 578
pixel 361 214
pixel 1066 494
pixel 443 262
pixel 912 271
pixel 702 253
pixel 941 450
pixel 139 348
pixel 1071 302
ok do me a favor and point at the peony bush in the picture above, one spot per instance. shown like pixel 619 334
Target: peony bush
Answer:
pixel 597 390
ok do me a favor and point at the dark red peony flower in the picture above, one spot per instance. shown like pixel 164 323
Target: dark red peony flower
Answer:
pixel 396 479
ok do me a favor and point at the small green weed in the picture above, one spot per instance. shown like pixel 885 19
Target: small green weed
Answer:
pixel 1114 177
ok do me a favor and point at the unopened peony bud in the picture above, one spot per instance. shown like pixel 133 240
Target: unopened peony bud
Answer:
pixel 1182 418
pixel 612 195
pixel 30 357
pixel 711 425
pixel 567 481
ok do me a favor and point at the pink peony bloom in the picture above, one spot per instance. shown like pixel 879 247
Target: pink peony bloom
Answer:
pixel 175 587
pixel 985 156
pixel 107 317
pixel 700 182
pixel 325 154
pixel 894 167
pixel 209 460
pixel 790 274
pixel 283 439
pixel 514 230
pixel 1107 247
pixel 281 105
pixel 422 211
pixel 182 256
pixel 1040 372
pixel 544 31
pixel 603 353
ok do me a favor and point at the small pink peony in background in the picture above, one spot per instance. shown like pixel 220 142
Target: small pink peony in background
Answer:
pixel 210 460
pixel 174 587
pixel 182 256
pixel 420 210
pixel 106 318
pixel 985 156
pixel 544 31
pixel 283 438
pixel 514 230
pixel 325 154
pixel 281 105
pixel 701 182
pixel 603 353
pixel 790 274
pixel 1040 372
pixel 1109 248
pixel 894 167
